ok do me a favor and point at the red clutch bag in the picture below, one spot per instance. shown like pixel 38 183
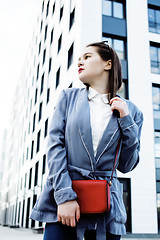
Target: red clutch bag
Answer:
pixel 93 195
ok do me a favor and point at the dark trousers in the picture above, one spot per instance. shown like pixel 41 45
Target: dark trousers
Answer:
pixel 58 231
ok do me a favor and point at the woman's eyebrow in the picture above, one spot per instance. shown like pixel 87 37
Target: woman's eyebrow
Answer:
pixel 84 55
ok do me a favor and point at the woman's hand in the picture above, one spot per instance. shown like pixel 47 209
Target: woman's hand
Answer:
pixel 68 213
pixel 120 105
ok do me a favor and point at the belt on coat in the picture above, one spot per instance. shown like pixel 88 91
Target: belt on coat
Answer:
pixel 91 174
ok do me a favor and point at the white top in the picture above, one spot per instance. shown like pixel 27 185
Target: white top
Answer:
pixel 100 113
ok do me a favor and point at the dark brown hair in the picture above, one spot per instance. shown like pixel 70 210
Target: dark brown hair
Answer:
pixel 115 75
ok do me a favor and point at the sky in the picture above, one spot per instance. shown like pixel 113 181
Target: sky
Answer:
pixel 17 23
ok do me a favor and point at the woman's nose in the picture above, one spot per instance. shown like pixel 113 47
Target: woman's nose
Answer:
pixel 80 63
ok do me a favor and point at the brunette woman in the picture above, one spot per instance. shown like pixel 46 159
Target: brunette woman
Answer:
pixel 84 132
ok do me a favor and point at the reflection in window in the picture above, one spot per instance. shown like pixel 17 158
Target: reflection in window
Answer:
pixel 117 45
pixel 123 92
pixel 114 8
pixel 155 59
pixel 154 20
pixel 156 106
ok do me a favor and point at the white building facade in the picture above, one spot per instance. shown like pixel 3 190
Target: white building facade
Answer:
pixel 63 28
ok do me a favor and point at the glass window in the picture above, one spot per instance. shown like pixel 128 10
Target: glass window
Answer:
pixel 113 8
pixel 154 20
pixel 155 59
pixel 157 143
pixel 107 8
pixel 117 9
pixel 118 46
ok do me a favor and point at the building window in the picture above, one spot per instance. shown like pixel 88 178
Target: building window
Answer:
pixel 36 174
pixel 31 105
pixel 39 48
pixel 41 25
pixel 44 55
pixel 30 178
pixel 42 6
pixel 70 55
pixel 61 13
pixel 37 71
pixel 156 115
pixel 29 128
pixel 70 86
pixel 32 148
pixel 44 164
pixel 47 10
pixel 123 92
pixel 154 19
pixel 156 106
pixel 59 43
pixel 34 120
pixel 40 111
pixel 42 83
pixel 36 96
pixel 46 128
pixel 45 35
pixel 48 94
pixel 50 65
pixel 27 153
pixel 51 36
pixel 72 18
pixel 155 57
pixel 57 77
pixel 53 9
pixel 114 8
pixel 118 45
pixel 38 141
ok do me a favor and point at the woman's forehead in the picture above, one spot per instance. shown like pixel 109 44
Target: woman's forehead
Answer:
pixel 88 50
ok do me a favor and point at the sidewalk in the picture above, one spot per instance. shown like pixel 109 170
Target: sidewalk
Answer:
pixel 8 233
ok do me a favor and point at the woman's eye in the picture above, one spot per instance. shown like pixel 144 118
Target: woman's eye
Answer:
pixel 87 56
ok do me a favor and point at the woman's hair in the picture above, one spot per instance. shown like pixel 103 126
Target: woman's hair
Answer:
pixel 115 75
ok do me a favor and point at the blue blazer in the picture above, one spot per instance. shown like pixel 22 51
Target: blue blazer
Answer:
pixel 70 156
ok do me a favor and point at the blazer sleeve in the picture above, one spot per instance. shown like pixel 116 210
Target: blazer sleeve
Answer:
pixel 131 133
pixel 56 154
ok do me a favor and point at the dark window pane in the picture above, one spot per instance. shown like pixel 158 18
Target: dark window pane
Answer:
pixel 70 56
pixel 40 111
pixel 46 128
pixel 44 55
pixel 50 65
pixel 36 174
pixel 57 77
pixel 45 36
pixel 42 83
pixel 61 13
pixel 38 141
pixel 47 10
pixel 32 148
pixel 48 94
pixel 59 43
pixel 44 164
pixel 72 17
pixel 30 178
pixel 53 9
pixel 51 36
pixel 34 120
pixel 37 71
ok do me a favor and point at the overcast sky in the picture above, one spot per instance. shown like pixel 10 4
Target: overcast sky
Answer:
pixel 17 22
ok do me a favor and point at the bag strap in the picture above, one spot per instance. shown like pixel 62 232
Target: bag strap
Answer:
pixel 110 182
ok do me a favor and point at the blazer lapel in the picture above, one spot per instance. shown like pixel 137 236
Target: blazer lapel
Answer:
pixel 108 135
pixel 83 118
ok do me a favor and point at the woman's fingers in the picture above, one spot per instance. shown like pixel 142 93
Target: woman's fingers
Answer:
pixel 77 213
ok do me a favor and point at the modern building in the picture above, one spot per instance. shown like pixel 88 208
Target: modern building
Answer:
pixel 63 28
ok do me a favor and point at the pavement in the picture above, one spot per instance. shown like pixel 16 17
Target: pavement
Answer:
pixel 7 233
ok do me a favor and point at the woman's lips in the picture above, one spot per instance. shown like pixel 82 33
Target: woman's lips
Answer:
pixel 80 70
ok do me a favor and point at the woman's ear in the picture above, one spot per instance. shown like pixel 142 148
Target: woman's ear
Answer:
pixel 108 65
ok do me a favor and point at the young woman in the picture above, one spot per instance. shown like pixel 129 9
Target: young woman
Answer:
pixel 86 127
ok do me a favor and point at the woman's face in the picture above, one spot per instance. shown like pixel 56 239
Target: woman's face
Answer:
pixel 90 66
